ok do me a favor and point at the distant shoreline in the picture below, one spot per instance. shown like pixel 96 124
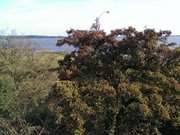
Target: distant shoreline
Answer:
pixel 174 35
pixel 31 36
pixel 44 36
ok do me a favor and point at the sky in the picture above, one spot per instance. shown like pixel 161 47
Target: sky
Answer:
pixel 54 17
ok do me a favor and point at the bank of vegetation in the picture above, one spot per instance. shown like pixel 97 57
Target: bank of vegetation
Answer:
pixel 106 87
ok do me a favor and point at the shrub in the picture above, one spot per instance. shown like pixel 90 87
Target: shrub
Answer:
pixel 112 86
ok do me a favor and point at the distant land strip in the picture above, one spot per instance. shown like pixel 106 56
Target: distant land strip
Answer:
pixel 30 36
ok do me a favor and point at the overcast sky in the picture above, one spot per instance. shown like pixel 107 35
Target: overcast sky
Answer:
pixel 54 17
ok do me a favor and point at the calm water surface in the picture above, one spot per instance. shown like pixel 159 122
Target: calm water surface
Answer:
pixel 49 43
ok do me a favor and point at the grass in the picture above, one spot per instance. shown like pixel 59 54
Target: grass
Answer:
pixel 51 57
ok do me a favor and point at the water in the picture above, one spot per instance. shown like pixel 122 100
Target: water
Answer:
pixel 37 42
pixel 175 39
pixel 49 43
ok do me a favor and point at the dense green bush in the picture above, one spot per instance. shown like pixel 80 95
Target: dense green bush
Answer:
pixel 26 78
pixel 118 87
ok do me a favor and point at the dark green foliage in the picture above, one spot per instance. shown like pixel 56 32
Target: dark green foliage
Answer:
pixel 41 116
pixel 17 127
pixel 118 87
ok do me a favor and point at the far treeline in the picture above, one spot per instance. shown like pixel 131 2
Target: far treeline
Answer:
pixel 109 86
